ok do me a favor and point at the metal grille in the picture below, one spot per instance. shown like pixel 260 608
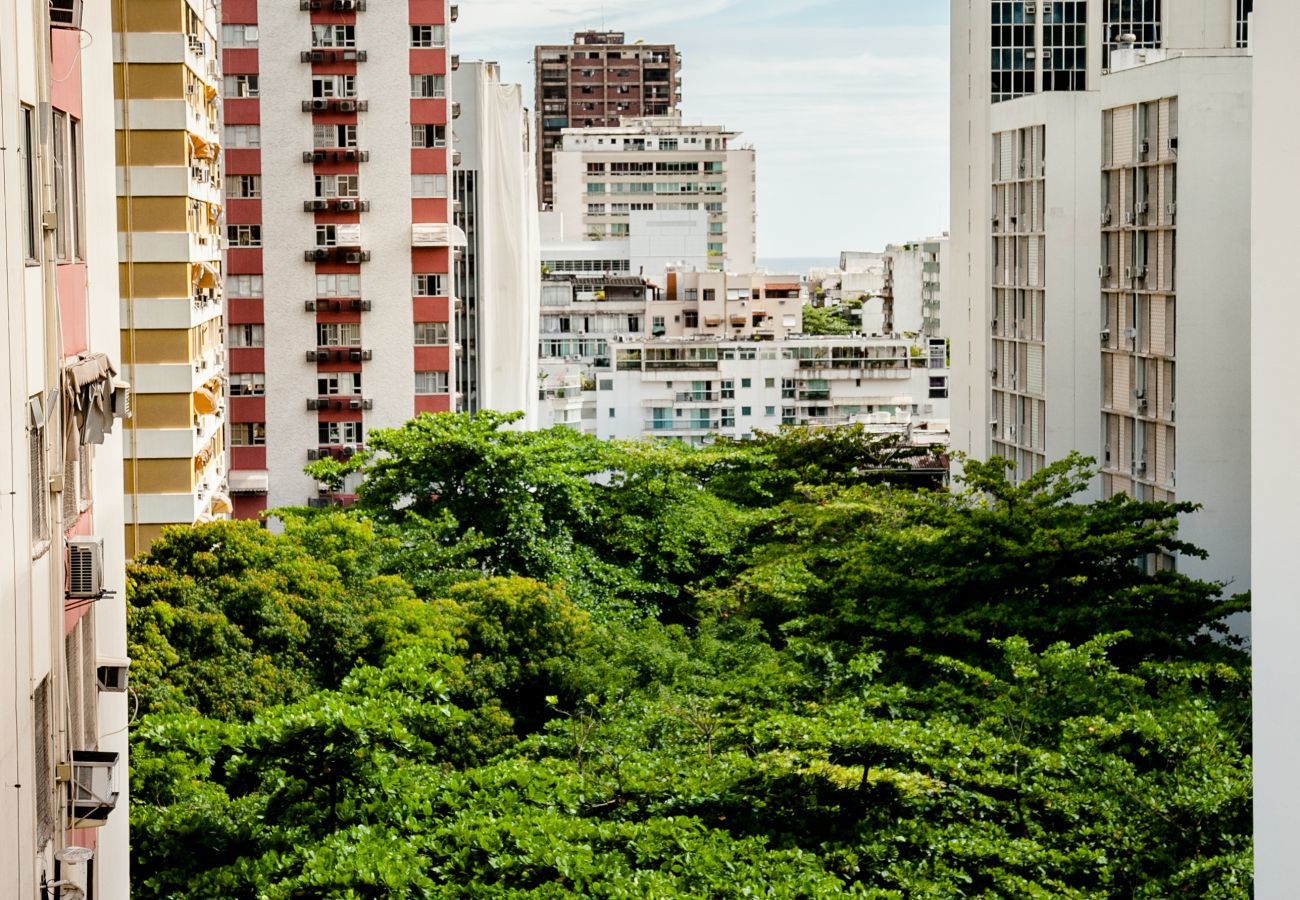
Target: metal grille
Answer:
pixel 71 490
pixel 41 759
pixel 72 659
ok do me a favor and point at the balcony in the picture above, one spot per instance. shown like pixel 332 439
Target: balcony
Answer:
pixel 337 255
pixel 337 451
pixel 698 397
pixel 338 403
pixel 348 304
pixel 335 154
pixel 335 5
pixel 338 354
pixel 347 54
pixel 336 204
pixel 659 426
pixel 335 104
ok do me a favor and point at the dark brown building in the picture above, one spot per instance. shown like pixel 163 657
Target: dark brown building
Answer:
pixel 598 80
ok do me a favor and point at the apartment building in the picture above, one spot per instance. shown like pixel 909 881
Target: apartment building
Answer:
pixel 598 80
pixel 339 272
pixel 498 296
pixel 1275 491
pixel 1099 263
pixel 656 242
pixel 604 174
pixel 170 236
pixel 63 745
pixel 911 286
pixel 695 389
pixel 750 306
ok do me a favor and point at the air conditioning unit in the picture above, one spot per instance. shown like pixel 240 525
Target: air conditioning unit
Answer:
pixel 366 355
pixel 354 404
pixel 313 156
pixel 309 305
pixel 1140 467
pixel 455 12
pixel 367 404
pixel 455 61
pixel 1105 336
pixel 113 674
pixel 1171 209
pixel 994 323
pixel 347 106
pixel 313 404
pixel 1144 147
pixel 314 455
pixel 319 104
pixel 354 356
pixel 354 56
pixel 85 568
pixel 354 258
pixel 455 109
pixel 347 206
pixel 195 43
pixel 199 174
pixel 1141 207
pixel 366 305
pixel 315 205
pixel 1143 404
pixel 1107 215
pixel 345 5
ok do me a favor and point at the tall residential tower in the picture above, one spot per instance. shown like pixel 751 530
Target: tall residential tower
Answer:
pixel 597 81
pixel 339 268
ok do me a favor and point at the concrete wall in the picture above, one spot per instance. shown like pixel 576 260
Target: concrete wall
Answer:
pixel 1276 489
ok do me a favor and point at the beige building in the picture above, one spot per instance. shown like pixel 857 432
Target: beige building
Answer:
pixel 728 305
pixel 604 174
pixel 167 77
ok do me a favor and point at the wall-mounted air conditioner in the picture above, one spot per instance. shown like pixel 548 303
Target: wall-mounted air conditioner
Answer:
pixel 85 568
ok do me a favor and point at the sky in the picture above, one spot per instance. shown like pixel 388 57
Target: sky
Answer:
pixel 846 101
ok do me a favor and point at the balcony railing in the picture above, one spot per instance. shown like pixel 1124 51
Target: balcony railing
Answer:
pixel 331 55
pixel 338 403
pixel 337 104
pixel 351 304
pixel 658 425
pixel 336 254
pixel 335 451
pixel 337 204
pixel 335 5
pixel 335 154
pixel 338 354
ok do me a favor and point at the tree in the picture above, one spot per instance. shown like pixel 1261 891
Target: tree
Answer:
pixel 825 320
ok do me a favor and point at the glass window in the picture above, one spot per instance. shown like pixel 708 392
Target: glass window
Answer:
pixel 27 161
pixel 247 384
pixel 430 334
pixel 428 36
pixel 427 86
pixel 247 336
pixel 60 141
pixel 430 383
pixel 428 285
pixel 248 434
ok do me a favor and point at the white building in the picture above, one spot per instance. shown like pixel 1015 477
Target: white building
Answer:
pixel 1067 279
pixel 497 288
pixel 604 174
pixel 658 240
pixel 911 290
pixel 693 389
pixel 1275 33
pixel 62 578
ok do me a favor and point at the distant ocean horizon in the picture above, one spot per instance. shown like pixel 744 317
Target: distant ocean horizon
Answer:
pixel 789 265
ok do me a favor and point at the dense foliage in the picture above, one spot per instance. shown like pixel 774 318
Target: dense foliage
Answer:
pixel 537 665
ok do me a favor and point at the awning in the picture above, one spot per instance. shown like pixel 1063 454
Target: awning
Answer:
pixel 437 234
pixel 781 287
pixel 206 402
pixel 221 505
pixel 250 481
pixel 207 277
pixel 713 320
pixel 209 92
pixel 203 149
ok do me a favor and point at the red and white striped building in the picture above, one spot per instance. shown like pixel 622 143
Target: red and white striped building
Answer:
pixel 338 160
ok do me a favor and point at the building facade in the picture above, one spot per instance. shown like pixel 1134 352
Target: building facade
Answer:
pixel 170 239
pixel 1275 490
pixel 598 81
pixel 496 286
pixel 339 266
pixel 63 746
pixel 695 389
pixel 912 282
pixel 1099 267
pixel 602 175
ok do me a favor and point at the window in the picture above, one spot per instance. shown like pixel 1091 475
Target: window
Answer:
pixel 248 434
pixel 1140 18
pixel 243 285
pixel 334 433
pixel 39 487
pixel 746 382
pixel 427 136
pixel 338 185
pixel 343 285
pixel 247 384
pixel 235 86
pixel 247 336
pixel 938 388
pixel 238 37
pixel 339 384
pixel 244 235
pixel 428 186
pixel 710 294
pixel 746 411
pixel 61 227
pixel 728 390
pixel 430 383
pixel 595 209
pixel 428 286
pixel 327 235
pixel 595 168
pixel 338 334
pixel 691 318
pixel 430 334
pixel 425 86
pixel 788 414
pixel 769 382
pixel 423 36
pixel 334 136
pixel 27 162
pixel 76 190
pixel 242 137
pixel 769 410
pixel 326 86
pixel 1244 9
pixel 611 412
pixel 1065 41
pixel 243 187
pixel 333 35
pixel 729 418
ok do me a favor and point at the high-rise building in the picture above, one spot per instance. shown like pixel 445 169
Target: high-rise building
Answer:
pixel 170 239
pixel 1100 266
pixel 598 81
pixel 339 267
pixel 496 284
pixel 1275 490
pixel 605 174
pixel 63 744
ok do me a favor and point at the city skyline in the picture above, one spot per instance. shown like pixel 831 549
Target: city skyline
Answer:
pixel 836 114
